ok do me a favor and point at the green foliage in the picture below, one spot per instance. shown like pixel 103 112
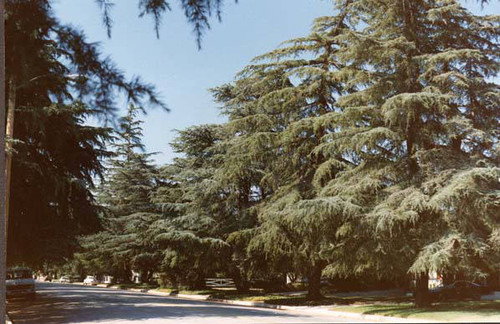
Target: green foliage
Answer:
pixel 59 81
pixel 125 245
pixel 422 131
pixel 56 159
pixel 369 146
pixel 276 109
pixel 192 225
pixel 197 12
pixel 391 115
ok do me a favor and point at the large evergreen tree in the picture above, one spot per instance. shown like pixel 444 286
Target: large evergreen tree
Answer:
pixel 128 212
pixel 422 130
pixel 56 158
pixel 275 113
pixel 395 119
pixel 194 218
pixel 57 81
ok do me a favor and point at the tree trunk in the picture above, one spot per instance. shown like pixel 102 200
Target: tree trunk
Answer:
pixel 242 285
pixel 144 276
pixel 448 277
pixel 422 290
pixel 9 135
pixel 314 283
pixel 3 240
pixel 126 274
pixel 175 282
pixel 197 282
pixel 149 277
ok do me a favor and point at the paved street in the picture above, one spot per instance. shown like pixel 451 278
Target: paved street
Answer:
pixel 58 303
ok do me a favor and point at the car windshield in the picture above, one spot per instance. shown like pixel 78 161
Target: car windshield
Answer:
pixel 19 274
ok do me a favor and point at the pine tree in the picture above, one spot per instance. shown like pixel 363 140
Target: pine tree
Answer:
pixel 57 80
pixel 275 112
pixel 190 231
pixel 125 194
pixel 396 121
pixel 56 159
pixel 422 131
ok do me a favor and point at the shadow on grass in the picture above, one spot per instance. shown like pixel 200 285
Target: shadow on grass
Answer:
pixel 396 310
pixel 474 308
pixel 303 301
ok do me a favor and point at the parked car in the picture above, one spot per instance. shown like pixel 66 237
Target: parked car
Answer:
pixel 65 279
pixel 90 281
pixel 20 283
pixel 459 290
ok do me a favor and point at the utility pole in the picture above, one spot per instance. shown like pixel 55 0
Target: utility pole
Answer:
pixel 3 227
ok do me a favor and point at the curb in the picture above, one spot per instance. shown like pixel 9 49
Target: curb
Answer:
pixel 319 310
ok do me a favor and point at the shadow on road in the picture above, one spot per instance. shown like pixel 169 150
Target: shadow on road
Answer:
pixel 75 304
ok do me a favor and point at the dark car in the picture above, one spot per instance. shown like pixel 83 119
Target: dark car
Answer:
pixel 20 283
pixel 459 290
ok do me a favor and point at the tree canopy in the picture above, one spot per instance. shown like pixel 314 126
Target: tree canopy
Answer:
pixel 56 82
pixel 369 146
pixel 198 13
pixel 127 211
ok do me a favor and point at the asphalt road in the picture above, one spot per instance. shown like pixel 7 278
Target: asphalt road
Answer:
pixel 64 303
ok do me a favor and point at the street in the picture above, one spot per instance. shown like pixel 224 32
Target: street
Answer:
pixel 65 303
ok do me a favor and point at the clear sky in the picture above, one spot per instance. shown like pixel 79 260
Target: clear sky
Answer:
pixel 173 63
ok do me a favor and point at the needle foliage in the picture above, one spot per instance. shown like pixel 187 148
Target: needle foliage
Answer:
pixel 366 149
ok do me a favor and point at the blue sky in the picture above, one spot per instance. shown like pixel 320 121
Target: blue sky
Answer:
pixel 173 63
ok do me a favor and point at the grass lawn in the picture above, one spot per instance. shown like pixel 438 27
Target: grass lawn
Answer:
pixel 277 299
pixel 467 311
pixel 301 300
pixel 398 306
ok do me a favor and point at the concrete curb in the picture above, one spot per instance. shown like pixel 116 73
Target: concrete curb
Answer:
pixel 312 310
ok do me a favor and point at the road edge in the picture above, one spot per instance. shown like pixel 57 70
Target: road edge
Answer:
pixel 317 310
pixel 312 310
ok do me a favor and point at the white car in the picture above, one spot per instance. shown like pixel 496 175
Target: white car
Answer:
pixel 64 279
pixel 20 283
pixel 90 281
